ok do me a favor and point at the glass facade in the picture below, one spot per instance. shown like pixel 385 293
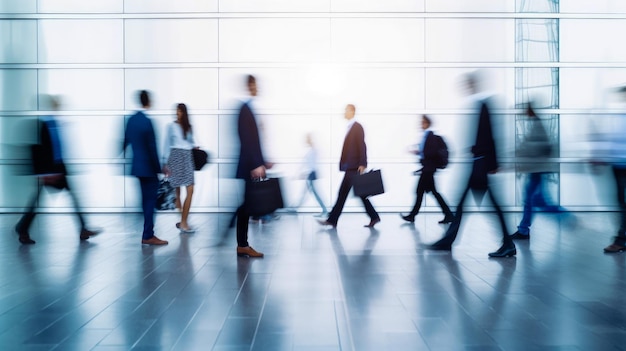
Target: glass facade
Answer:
pixel 394 60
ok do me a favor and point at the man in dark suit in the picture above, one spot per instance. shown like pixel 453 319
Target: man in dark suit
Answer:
pixel 485 163
pixel 353 162
pixel 49 167
pixel 251 165
pixel 145 165
pixel 428 157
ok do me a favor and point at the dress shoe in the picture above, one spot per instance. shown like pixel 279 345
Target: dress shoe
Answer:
pixel 439 247
pixel 504 251
pixel 446 220
pixel 519 236
pixel 613 248
pixel 408 218
pixel 154 241
pixel 24 237
pixel 372 223
pixel 248 251
pixel 334 225
pixel 86 234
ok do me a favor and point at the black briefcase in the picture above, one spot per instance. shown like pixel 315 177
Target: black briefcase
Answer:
pixel 263 196
pixel 368 184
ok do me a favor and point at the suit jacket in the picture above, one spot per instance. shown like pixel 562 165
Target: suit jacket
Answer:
pixel 354 151
pixel 429 154
pixel 250 154
pixel 47 156
pixel 485 146
pixel 140 135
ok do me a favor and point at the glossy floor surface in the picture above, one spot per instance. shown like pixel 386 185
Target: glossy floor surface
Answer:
pixel 351 288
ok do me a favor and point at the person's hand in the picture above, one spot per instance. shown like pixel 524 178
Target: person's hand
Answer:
pixel 258 172
pixel 166 171
pixel 361 169
pixel 269 165
pixel 493 171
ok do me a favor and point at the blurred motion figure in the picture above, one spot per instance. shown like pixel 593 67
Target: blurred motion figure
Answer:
pixel 484 163
pixel 145 166
pixel 49 167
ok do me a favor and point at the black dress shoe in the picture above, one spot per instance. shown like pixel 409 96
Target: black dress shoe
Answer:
pixel 504 251
pixel 408 218
pixel 86 234
pixel 519 236
pixel 372 223
pixel 334 225
pixel 439 247
pixel 24 237
pixel 446 220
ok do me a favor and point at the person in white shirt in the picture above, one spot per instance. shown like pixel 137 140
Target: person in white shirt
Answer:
pixel 310 174
pixel 178 160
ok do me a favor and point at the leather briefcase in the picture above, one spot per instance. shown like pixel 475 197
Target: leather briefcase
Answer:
pixel 263 196
pixel 368 184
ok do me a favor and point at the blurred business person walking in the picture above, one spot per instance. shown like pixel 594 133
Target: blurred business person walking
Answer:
pixel 145 166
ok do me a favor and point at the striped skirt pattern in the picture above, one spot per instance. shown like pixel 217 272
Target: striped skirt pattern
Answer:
pixel 181 167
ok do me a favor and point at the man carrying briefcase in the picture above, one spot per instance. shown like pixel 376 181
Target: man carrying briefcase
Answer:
pixel 353 162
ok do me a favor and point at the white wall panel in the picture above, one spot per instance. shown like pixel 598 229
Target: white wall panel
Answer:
pixel 91 137
pixel 377 6
pixel 274 6
pixel 175 40
pixel 274 40
pixel 470 6
pixel 17 134
pixel 196 87
pixel 84 89
pixel 304 88
pixel 391 89
pixel 81 6
pixel 165 6
pixel 377 40
pixel 470 40
pixel 17 187
pixel 18 89
pixel 588 88
pixel 81 41
pixel 597 6
pixel 20 6
pixel 18 40
pixel 585 40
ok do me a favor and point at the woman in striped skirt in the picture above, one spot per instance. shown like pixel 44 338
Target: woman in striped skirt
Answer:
pixel 179 165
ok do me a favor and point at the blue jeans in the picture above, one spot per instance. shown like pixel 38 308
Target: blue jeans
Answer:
pixel 535 196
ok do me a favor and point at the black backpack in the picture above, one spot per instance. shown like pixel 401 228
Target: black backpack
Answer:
pixel 441 161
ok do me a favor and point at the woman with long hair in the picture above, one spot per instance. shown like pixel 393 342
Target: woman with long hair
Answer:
pixel 179 167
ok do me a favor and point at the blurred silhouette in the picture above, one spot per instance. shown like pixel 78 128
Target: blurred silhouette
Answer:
pixel 178 161
pixel 427 152
pixel 145 166
pixel 309 173
pixel 50 169
pixel 353 162
pixel 617 159
pixel 485 163
pixel 535 151
pixel 251 165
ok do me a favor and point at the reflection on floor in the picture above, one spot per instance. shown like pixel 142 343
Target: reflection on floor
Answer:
pixel 346 289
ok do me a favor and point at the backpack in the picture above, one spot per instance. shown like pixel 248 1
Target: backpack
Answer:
pixel 441 160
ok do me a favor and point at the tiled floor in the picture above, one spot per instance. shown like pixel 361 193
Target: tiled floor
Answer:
pixel 346 289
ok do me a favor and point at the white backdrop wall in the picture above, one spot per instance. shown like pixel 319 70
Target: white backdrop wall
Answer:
pixel 394 60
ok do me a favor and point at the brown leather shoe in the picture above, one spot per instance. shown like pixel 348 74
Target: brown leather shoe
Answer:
pixel 154 241
pixel 372 223
pixel 248 251
pixel 613 248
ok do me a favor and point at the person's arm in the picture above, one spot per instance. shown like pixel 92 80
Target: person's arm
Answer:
pixel 362 148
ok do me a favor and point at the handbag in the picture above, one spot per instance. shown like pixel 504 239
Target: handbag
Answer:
pixel 166 196
pixel 368 184
pixel 200 158
pixel 263 196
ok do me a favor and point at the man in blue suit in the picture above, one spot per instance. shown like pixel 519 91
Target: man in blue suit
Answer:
pixel 251 165
pixel 353 162
pixel 145 165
